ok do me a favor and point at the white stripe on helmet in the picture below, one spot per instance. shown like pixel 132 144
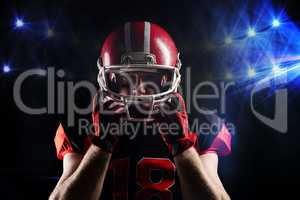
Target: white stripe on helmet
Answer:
pixel 147 37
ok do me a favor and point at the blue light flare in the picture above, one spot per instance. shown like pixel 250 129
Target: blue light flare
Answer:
pixel 6 68
pixel 19 23
pixel 251 32
pixel 251 72
pixel 262 35
pixel 276 23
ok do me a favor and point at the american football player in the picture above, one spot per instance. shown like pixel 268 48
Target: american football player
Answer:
pixel 140 145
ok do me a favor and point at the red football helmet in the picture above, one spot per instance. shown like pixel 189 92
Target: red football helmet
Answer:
pixel 141 49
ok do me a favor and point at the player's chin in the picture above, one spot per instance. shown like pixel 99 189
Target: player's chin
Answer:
pixel 141 110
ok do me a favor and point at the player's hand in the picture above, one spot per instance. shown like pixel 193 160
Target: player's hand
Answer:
pixel 107 114
pixel 173 125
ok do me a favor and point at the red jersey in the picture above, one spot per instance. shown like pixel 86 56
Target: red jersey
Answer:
pixel 141 168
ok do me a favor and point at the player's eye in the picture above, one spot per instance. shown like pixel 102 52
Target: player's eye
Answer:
pixel 125 80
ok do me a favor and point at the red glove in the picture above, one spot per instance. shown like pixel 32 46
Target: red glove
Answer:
pixel 173 125
pixel 106 113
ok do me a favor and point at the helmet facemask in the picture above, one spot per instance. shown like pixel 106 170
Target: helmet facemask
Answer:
pixel 139 85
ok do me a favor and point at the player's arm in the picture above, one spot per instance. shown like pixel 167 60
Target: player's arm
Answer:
pixel 82 178
pixel 83 175
pixel 197 182
pixel 206 164
pixel 210 162
pixel 70 164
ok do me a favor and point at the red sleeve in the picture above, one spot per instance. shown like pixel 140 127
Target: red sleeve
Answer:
pixel 71 139
pixel 62 143
pixel 221 144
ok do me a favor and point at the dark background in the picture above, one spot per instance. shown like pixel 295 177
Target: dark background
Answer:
pixel 264 163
